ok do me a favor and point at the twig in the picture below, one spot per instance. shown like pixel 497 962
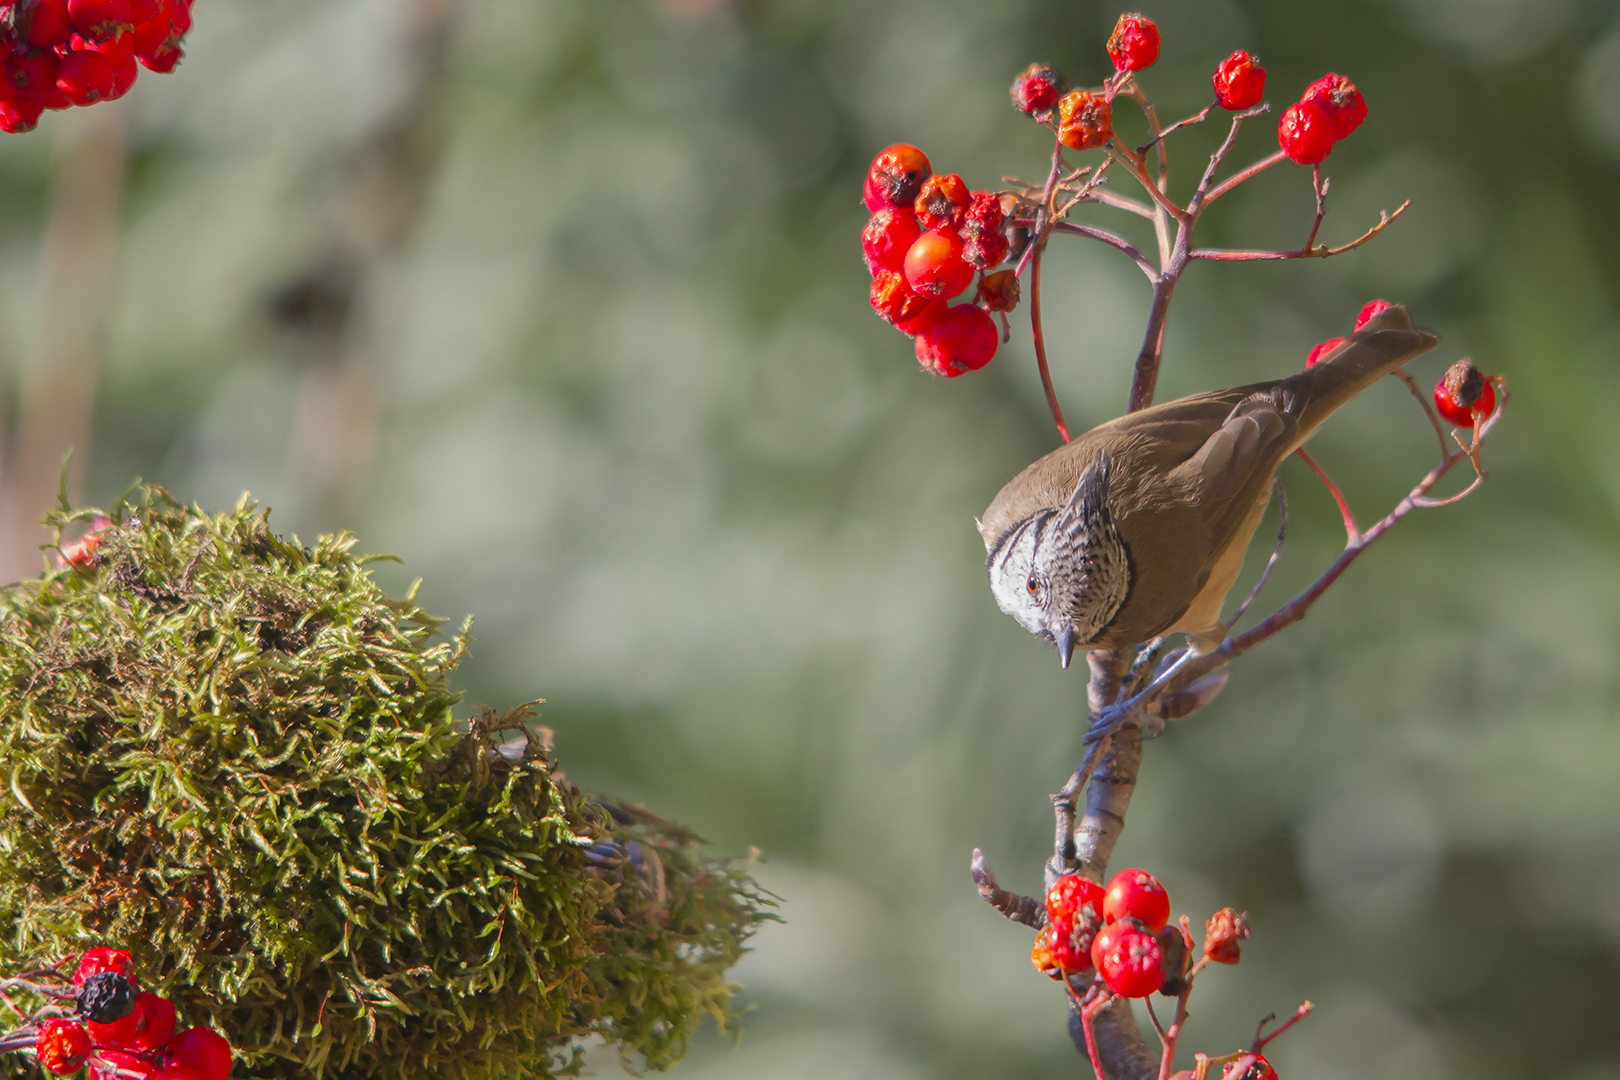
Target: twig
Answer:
pixel 1239 177
pixel 1300 1013
pixel 1428 408
pixel 1020 909
pixel 1320 188
pixel 1196 118
pixel 1111 240
pixel 1201 197
pixel 1352 531
pixel 1039 337
pixel 1227 255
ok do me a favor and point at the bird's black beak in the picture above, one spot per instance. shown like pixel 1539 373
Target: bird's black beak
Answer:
pixel 1065 644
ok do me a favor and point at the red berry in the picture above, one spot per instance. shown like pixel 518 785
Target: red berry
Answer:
pixel 1038 89
pixel 1338 97
pixel 1128 958
pixel 1223 934
pixel 1305 133
pixel 17 113
pixel 983 252
pixel 162 59
pixel 983 215
pixel 99 20
pixel 203 1049
pixel 895 177
pixel 147 1027
pixel 1239 82
pixel 1071 943
pixel 42 23
pixel 62 1046
pixel 887 237
pixel 180 1072
pixel 900 304
pixel 934 265
pixel 1463 393
pixel 1042 955
pixel 1085 120
pixel 85 77
pixel 1134 43
pixel 942 201
pixel 1370 311
pixel 963 339
pixel 1322 349
pixel 33 76
pixel 118 50
pixel 120 1065
pixel 1070 893
pixel 123 78
pixel 101 959
pixel 1137 894
pixel 1260 1070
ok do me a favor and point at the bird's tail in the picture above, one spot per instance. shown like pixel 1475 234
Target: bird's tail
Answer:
pixel 1378 348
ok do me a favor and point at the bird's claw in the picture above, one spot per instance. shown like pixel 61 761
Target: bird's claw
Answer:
pixel 1133 713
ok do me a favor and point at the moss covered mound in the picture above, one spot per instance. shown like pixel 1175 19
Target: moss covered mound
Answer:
pixel 235 756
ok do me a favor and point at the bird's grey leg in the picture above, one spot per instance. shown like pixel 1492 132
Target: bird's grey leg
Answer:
pixel 1134 710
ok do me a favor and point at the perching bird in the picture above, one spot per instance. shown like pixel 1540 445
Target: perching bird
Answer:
pixel 1139 527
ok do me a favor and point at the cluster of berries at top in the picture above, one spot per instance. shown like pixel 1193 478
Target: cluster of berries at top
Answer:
pixel 59 53
pixel 1463 396
pixel 100 1019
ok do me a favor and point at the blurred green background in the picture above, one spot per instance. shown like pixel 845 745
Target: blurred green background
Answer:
pixel 563 303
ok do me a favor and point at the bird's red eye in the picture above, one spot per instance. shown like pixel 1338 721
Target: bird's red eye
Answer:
pixel 1032 585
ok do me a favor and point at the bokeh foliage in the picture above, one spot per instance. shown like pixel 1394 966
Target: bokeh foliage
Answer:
pixel 235 755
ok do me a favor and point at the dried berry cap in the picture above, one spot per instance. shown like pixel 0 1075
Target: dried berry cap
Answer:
pixel 1463 393
pixel 1134 44
pixel 1085 120
pixel 942 202
pixel 1038 89
pixel 1239 82
pixel 105 997
pixel 1223 934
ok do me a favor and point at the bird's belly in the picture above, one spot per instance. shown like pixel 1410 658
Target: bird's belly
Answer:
pixel 1202 619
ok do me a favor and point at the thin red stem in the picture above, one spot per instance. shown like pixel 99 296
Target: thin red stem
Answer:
pixel 1040 342
pixel 1299 1014
pixel 1239 177
pixel 1352 531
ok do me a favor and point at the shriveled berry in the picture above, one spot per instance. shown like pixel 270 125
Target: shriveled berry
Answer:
pixel 1134 43
pixel 1305 133
pixel 983 215
pixel 895 177
pixel 99 20
pixel 203 1049
pixel 105 997
pixel 1137 894
pixel 896 301
pixel 1239 82
pixel 85 77
pixel 942 201
pixel 1370 311
pixel 99 959
pixel 1128 958
pixel 1175 957
pixel 1322 349
pixel 43 24
pixel 1070 893
pixel 983 252
pixel 1338 97
pixel 1085 120
pixel 887 237
pixel 963 339
pixel 1038 89
pixel 1224 934
pixel 1463 393
pixel 1041 954
pixel 934 265
pixel 62 1046
pixel 1259 1069
pixel 999 291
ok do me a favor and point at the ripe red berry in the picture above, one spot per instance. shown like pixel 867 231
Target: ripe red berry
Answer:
pixel 934 265
pixel 942 201
pixel 62 1046
pixel 102 959
pixel 1260 1070
pixel 1239 82
pixel 1070 893
pixel 33 76
pixel 923 317
pixel 1038 89
pixel 99 20
pixel 1128 958
pixel 1305 133
pixel 162 59
pixel 203 1049
pixel 120 1065
pixel 180 1072
pixel 1134 43
pixel 902 305
pixel 17 113
pixel 1463 393
pixel 1338 97
pixel 1322 349
pixel 895 177
pixel 1223 935
pixel 85 77
pixel 963 339
pixel 1085 120
pixel 147 1027
pixel 118 50
pixel 1071 942
pixel 887 237
pixel 42 23
pixel 1370 311
pixel 1137 894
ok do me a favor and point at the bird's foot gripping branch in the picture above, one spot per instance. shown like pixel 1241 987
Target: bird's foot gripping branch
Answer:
pixel 1138 529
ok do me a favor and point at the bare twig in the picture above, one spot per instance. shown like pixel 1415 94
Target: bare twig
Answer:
pixel 1020 909
pixel 1300 1013
pixel 1225 255
pixel 1112 241
pixel 1245 174
pixel 1196 118
pixel 1352 531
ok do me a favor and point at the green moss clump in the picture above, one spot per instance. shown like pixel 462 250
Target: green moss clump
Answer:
pixel 235 756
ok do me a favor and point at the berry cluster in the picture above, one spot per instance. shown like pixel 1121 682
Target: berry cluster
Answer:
pixel 59 53
pixel 1120 932
pixel 1463 396
pixel 927 236
pixel 1329 110
pixel 100 1018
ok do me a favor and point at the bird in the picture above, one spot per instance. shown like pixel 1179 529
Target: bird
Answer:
pixel 1139 527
